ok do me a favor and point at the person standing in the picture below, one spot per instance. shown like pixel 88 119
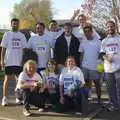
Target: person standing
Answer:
pixel 110 52
pixel 90 50
pixel 41 44
pixel 67 44
pixel 82 21
pixel 13 43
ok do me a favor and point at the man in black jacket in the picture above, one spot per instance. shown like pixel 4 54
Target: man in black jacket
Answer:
pixel 66 45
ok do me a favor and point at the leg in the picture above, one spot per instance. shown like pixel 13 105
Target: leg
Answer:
pixel 111 87
pixel 98 89
pixel 117 77
pixel 5 84
pixel 26 98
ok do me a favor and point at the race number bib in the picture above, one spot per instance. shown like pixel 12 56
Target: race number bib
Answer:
pixel 112 48
pixel 16 43
pixel 41 49
pixel 67 82
pixel 52 82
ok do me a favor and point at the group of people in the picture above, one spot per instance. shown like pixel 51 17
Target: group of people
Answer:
pixel 63 66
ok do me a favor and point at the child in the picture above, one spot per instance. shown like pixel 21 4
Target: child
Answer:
pixel 31 83
pixel 51 81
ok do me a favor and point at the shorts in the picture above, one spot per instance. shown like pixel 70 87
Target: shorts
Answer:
pixel 90 74
pixel 13 70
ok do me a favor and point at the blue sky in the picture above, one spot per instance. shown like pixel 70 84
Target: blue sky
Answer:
pixel 63 9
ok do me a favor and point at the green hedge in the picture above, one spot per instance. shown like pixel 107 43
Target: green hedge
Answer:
pixel 1 35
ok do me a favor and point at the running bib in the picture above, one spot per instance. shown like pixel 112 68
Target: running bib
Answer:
pixel 16 43
pixel 41 49
pixel 52 82
pixel 68 80
pixel 112 48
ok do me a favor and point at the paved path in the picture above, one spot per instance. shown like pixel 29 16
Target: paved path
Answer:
pixel 14 112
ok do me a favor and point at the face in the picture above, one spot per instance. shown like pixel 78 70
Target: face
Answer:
pixel 70 62
pixel 15 25
pixel 82 20
pixel 31 69
pixel 39 29
pixel 88 33
pixel 53 26
pixel 51 66
pixel 110 28
pixel 67 30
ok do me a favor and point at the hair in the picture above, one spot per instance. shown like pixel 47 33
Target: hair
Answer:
pixel 15 20
pixel 68 24
pixel 112 22
pixel 88 26
pixel 29 62
pixel 52 61
pixel 41 23
pixel 81 15
pixel 52 21
pixel 70 57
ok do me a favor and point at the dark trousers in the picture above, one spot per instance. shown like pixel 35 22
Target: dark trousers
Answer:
pixel 113 87
pixel 33 98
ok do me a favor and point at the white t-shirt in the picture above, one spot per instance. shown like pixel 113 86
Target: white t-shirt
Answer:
pixel 68 39
pixel 111 46
pixel 42 46
pixel 54 36
pixel 14 42
pixel 67 77
pixel 78 32
pixel 90 50
pixel 51 80
pixel 23 77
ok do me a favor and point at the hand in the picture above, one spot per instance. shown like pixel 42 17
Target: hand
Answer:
pixel 62 100
pixel 108 57
pixel 76 12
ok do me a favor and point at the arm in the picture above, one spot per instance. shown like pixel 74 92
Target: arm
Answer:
pixel 76 12
pixel 3 50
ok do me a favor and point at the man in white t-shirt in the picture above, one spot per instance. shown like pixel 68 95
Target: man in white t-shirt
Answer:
pixel 90 49
pixel 41 44
pixel 110 51
pixel 82 21
pixel 54 33
pixel 13 43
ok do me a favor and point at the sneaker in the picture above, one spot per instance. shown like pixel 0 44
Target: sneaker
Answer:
pixel 78 113
pixel 18 101
pixel 112 108
pixel 26 112
pixel 4 101
pixel 41 110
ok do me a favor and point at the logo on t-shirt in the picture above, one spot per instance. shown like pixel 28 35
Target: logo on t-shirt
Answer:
pixel 16 43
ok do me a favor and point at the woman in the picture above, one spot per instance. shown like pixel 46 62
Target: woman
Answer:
pixel 71 80
pixel 32 85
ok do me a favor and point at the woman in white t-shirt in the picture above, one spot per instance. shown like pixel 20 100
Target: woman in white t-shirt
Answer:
pixel 70 81
pixel 52 83
pixel 32 85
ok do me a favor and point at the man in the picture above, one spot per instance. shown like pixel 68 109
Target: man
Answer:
pixel 13 43
pixel 41 44
pixel 90 49
pixel 54 32
pixel 110 51
pixel 82 21
pixel 67 44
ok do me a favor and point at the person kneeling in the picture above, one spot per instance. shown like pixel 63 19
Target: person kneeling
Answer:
pixel 32 85
pixel 71 81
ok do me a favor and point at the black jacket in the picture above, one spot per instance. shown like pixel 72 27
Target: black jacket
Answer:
pixel 61 49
